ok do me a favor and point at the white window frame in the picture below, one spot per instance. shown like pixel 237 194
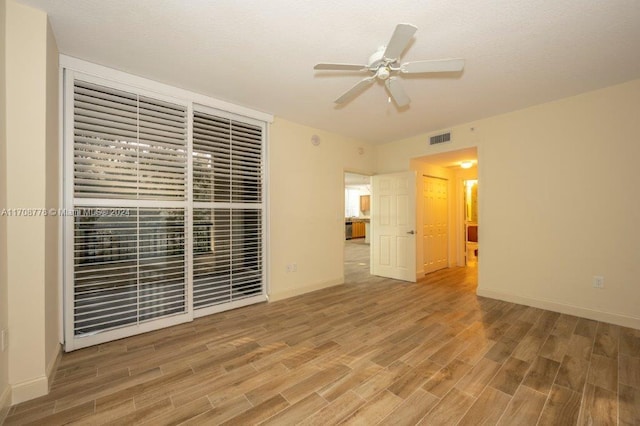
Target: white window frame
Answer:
pixel 72 68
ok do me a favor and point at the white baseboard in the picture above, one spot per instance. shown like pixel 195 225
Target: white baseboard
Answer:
pixel 5 403
pixel 306 289
pixel 34 388
pixel 29 389
pixel 563 308
pixel 53 365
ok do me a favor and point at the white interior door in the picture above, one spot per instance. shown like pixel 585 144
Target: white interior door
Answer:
pixel 435 224
pixel 393 221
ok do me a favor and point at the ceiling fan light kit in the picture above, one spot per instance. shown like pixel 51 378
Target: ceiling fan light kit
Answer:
pixel 385 65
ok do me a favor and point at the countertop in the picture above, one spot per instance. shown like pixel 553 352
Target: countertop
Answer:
pixel 356 219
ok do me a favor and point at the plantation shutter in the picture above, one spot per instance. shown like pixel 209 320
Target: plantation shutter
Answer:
pixel 128 146
pixel 228 210
pixel 129 252
pixel 168 208
pixel 128 268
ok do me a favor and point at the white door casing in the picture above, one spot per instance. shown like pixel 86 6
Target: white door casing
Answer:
pixel 435 224
pixel 393 223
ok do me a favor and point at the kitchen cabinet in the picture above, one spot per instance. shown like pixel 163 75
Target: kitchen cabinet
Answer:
pixel 357 230
pixel 365 203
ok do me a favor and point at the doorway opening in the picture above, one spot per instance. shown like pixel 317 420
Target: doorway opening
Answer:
pixel 448 230
pixel 357 207
pixel 471 221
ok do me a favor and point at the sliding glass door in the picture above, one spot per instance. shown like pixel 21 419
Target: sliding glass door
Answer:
pixel 228 210
pixel 164 210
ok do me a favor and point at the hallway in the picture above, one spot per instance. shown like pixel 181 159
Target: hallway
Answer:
pixel 357 262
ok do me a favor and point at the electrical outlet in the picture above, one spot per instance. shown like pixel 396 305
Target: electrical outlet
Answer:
pixel 4 340
pixel 292 267
pixel 598 281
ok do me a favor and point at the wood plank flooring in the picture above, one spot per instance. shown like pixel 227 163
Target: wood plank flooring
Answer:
pixel 373 351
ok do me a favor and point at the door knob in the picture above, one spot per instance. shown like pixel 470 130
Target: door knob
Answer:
pixel 411 232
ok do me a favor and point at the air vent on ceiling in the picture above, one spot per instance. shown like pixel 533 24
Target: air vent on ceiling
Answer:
pixel 440 138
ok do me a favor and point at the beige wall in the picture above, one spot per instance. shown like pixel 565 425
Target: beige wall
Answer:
pixel 557 204
pixel 52 200
pixel 306 205
pixel 32 112
pixel 4 318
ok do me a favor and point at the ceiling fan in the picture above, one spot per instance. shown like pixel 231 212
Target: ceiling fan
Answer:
pixel 385 65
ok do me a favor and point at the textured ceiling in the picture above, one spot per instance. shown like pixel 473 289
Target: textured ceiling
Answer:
pixel 261 54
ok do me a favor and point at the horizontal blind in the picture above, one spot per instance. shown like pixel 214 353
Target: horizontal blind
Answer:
pixel 129 262
pixel 162 152
pixel 246 163
pixel 128 146
pixel 162 262
pixel 105 271
pixel 227 241
pixel 128 268
pixel 211 158
pixel 211 257
pixel 227 255
pixel 227 160
pixel 246 252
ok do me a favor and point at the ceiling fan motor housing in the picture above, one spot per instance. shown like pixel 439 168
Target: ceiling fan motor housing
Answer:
pixel 379 65
pixel 376 59
pixel 383 73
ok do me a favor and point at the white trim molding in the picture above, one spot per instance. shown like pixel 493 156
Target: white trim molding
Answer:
pixel 5 403
pixel 114 75
pixel 53 365
pixel 563 308
pixel 29 389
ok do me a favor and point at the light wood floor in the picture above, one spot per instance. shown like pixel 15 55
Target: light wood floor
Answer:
pixel 368 352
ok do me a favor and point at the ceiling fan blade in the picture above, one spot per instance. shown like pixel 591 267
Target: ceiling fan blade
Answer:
pixel 397 92
pixel 355 90
pixel 340 67
pixel 438 65
pixel 399 40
